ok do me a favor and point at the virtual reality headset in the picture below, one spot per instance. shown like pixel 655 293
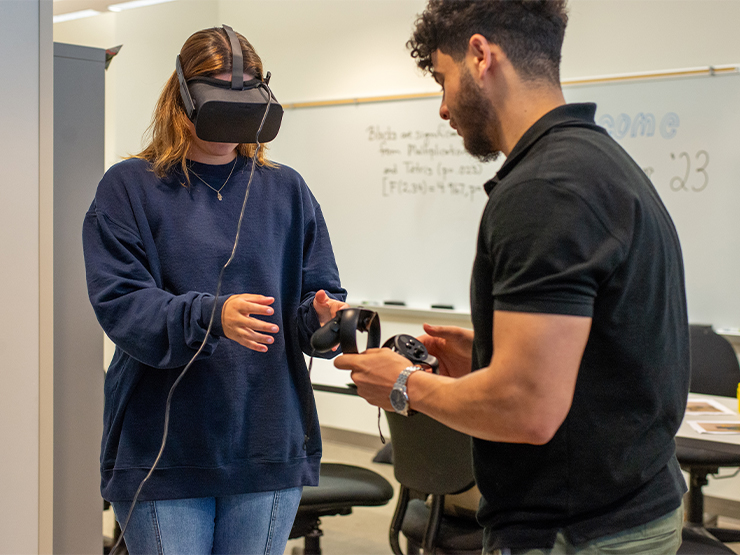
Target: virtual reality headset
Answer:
pixel 231 111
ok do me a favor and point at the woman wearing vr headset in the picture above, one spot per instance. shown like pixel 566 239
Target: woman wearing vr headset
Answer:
pixel 242 437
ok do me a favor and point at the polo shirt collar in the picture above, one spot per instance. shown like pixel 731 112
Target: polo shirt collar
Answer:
pixel 565 115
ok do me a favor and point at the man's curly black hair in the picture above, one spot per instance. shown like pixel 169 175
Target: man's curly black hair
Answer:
pixel 530 32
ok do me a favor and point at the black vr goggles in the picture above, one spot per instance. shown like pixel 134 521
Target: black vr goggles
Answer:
pixel 231 112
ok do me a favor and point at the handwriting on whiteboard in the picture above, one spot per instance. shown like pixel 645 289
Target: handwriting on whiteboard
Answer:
pixel 426 162
pixel 434 162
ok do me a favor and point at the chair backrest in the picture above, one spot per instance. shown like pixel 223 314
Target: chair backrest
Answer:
pixel 429 457
pixel 714 363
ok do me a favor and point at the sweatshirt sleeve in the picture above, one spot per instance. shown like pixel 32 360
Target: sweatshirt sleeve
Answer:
pixel 153 326
pixel 319 272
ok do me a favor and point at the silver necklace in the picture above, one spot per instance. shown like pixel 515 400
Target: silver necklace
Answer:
pixel 218 191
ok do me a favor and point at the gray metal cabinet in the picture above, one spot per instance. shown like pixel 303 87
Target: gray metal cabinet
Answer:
pixel 79 163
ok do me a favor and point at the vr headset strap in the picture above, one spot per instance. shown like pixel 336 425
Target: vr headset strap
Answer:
pixel 187 100
pixel 237 60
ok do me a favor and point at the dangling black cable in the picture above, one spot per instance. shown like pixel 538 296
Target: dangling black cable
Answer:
pixel 380 432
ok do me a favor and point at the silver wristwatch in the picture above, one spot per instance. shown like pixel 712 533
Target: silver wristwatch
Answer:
pixel 399 396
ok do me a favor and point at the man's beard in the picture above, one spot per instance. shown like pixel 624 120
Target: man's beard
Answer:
pixel 474 117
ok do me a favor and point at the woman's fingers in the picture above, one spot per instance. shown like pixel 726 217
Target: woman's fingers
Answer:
pixel 241 326
pixel 253 304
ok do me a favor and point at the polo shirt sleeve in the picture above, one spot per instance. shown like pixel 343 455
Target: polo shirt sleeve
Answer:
pixel 550 250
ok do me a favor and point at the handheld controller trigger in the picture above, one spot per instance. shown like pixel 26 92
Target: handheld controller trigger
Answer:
pixel 342 330
pixel 413 349
pixel 326 337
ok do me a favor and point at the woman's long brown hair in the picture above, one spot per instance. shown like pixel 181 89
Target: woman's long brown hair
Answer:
pixel 207 52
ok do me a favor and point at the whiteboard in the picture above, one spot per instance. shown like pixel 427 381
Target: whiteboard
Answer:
pixel 401 197
pixel 685 133
pixel 403 200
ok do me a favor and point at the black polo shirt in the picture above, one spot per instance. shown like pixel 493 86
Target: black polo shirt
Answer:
pixel 573 226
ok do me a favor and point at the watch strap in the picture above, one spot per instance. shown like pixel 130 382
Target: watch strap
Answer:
pixel 405 373
pixel 400 385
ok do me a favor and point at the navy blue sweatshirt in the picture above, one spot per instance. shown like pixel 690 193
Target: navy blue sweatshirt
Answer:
pixel 153 252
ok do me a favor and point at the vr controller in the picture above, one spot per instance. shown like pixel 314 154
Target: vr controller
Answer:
pixel 342 331
pixel 413 349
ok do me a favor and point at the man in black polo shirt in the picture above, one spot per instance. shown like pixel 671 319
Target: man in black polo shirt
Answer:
pixel 580 350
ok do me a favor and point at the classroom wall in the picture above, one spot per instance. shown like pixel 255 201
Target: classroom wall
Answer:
pixel 624 36
pixel 25 226
pixel 334 49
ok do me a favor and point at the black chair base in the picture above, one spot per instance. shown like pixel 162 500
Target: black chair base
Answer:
pixel 310 532
pixel 698 478
pixel 697 541
pixel 724 535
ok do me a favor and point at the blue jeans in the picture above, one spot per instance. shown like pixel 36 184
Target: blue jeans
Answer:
pixel 250 524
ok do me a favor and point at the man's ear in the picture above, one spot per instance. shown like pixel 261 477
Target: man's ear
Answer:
pixel 480 56
pixel 483 56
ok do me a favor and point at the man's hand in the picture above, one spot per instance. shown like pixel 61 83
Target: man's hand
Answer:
pixel 453 347
pixel 240 326
pixel 326 307
pixel 374 372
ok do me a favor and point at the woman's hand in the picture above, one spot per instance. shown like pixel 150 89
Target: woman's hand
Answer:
pixel 240 326
pixel 326 307
pixel 453 347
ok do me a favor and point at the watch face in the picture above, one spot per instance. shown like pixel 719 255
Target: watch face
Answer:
pixel 398 400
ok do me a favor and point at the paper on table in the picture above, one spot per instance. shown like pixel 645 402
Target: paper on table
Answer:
pixel 706 406
pixel 717 427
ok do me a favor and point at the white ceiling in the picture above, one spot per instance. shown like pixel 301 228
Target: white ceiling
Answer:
pixel 67 6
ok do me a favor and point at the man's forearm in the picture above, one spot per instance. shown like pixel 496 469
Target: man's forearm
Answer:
pixel 514 400
pixel 478 406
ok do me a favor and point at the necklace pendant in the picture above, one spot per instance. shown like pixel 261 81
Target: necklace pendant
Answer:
pixel 219 196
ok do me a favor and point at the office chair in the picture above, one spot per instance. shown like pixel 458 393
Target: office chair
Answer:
pixel 714 371
pixel 430 459
pixel 697 542
pixel 340 488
